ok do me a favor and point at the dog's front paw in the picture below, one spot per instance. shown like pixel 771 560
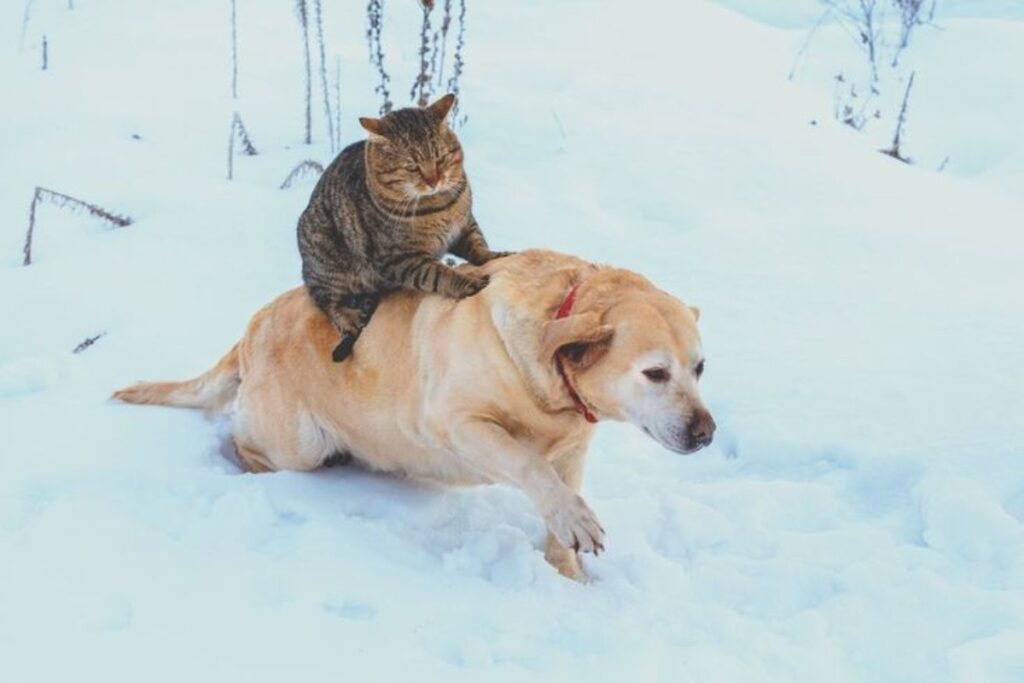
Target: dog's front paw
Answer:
pixel 575 526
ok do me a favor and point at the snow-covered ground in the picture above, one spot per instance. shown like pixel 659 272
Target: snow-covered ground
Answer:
pixel 859 517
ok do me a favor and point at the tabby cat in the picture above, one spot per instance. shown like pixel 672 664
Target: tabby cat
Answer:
pixel 382 215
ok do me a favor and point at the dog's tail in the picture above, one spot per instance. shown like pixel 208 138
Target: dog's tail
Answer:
pixel 213 390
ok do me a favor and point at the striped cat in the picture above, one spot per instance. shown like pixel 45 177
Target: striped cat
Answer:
pixel 382 215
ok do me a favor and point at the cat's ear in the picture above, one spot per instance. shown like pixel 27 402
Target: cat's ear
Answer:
pixel 373 126
pixel 438 111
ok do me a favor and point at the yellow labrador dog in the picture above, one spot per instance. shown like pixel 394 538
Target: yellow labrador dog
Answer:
pixel 502 387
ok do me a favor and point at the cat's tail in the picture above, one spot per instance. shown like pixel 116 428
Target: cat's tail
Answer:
pixel 212 391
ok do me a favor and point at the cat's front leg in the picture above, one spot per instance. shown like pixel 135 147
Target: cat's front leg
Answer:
pixel 350 314
pixel 472 246
pixel 423 272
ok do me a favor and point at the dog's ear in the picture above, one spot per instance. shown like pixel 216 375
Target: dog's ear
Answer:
pixel 696 312
pixel 581 337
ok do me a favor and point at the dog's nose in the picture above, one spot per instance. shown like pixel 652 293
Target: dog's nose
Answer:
pixel 702 428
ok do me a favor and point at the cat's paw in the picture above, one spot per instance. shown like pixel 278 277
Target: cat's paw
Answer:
pixel 472 285
pixel 491 255
pixel 344 349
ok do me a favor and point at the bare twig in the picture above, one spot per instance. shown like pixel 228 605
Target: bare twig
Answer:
pixel 65 201
pixel 302 11
pixel 234 51
pixel 863 17
pixel 318 6
pixel 46 56
pixel 337 102
pixel 303 170
pixel 458 64
pixel 561 128
pixel 910 17
pixel 446 22
pixel 88 341
pixel 850 106
pixel 807 41
pixel 26 17
pixel 238 130
pixel 375 21
pixel 894 151
pixel 248 149
pixel 420 91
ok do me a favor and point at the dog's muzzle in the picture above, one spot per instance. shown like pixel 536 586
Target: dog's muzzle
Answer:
pixel 685 437
pixel 701 431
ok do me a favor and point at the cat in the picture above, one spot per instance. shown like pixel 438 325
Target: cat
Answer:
pixel 383 213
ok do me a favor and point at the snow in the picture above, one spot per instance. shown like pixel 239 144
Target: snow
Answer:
pixel 860 515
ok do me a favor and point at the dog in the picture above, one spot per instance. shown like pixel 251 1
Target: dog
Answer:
pixel 503 387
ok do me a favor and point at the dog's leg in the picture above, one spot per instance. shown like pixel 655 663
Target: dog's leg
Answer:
pixel 494 452
pixel 253 460
pixel 569 468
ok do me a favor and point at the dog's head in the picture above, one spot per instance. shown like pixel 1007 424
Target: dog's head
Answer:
pixel 633 353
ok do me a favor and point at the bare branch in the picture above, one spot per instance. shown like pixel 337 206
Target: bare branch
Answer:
pixel 894 151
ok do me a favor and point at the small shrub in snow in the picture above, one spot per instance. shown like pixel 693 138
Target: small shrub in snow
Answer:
pixel 432 52
pixel 65 201
pixel 303 170
pixel 882 29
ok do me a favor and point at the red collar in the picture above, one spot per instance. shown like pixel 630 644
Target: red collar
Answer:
pixel 563 312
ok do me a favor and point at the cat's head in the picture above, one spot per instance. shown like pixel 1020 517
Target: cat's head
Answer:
pixel 412 152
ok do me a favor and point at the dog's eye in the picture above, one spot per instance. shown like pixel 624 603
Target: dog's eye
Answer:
pixel 699 369
pixel 656 374
pixel 574 352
